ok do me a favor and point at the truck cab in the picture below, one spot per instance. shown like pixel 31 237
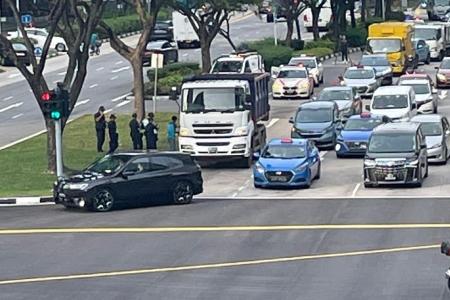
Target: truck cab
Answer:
pixel 436 36
pixel 243 62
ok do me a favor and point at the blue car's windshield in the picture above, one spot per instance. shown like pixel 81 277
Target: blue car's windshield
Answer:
pixel 362 124
pixel 284 151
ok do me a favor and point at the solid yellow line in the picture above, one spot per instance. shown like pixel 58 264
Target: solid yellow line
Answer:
pixel 214 265
pixel 219 228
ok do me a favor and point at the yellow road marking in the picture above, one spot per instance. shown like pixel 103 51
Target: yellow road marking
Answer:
pixel 6 231
pixel 214 265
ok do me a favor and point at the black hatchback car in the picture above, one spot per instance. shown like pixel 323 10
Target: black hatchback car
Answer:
pixel 131 178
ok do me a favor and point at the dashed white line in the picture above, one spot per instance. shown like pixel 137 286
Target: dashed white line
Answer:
pixel 120 97
pixel 120 69
pixel 272 122
pixel 11 106
pixel 322 154
pixel 123 103
pixel 99 69
pixel 234 195
pixel 93 86
pixel 17 116
pixel 82 102
pixel 355 190
pixel 8 98
pixel 114 78
pixel 119 62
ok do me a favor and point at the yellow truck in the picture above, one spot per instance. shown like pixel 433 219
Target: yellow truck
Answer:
pixel 395 40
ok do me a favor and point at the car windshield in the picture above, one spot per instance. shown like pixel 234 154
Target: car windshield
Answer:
pixel 227 67
pixel 197 100
pixel 445 64
pixel 19 47
pixel 392 143
pixel 292 74
pixel 384 45
pixel 335 95
pixel 284 151
pixel 427 34
pixel 431 128
pixel 306 62
pixel 359 74
pixel 389 102
pixel 441 3
pixel 419 89
pixel 309 115
pixel 374 61
pixel 362 124
pixel 108 164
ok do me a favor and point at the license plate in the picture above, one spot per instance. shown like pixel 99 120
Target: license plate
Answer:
pixel 212 149
pixel 279 178
pixel 390 177
pixel 20 54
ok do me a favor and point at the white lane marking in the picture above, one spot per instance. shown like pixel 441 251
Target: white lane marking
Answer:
pixel 119 62
pixel 8 98
pixel 11 106
pixel 121 97
pixel 62 73
pixel 108 111
pixel 82 102
pixel 99 69
pixel 17 116
pixel 272 122
pixel 123 103
pixel 120 69
pixel 114 78
pixel 355 190
pixel 442 95
pixel 322 154
pixel 234 195
pixel 93 86
pixel 14 75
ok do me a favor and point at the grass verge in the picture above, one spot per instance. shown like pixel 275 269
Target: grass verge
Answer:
pixel 24 166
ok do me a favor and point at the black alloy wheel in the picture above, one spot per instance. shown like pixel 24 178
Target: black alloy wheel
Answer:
pixel 182 192
pixel 103 201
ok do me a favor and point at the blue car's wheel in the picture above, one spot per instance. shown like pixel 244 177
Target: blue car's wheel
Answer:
pixel 319 167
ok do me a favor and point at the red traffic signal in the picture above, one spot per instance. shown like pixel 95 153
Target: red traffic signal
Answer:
pixel 46 96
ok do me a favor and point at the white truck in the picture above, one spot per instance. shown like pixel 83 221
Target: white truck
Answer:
pixel 239 62
pixel 183 32
pixel 437 37
pixel 221 114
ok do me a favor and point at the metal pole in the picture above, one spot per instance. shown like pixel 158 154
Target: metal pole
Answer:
pixel 149 3
pixel 18 10
pixel 275 34
pixel 1 18
pixel 383 10
pixel 156 84
pixel 58 142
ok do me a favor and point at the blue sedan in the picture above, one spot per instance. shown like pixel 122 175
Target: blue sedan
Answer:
pixel 287 163
pixel 354 137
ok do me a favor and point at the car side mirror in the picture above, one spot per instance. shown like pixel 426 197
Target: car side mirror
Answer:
pixel 256 155
pixel 173 94
pixel 423 146
pixel 127 173
pixel 368 107
pixel 291 120
pixel 413 106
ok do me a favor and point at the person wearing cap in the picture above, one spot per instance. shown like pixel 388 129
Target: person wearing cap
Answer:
pixel 151 131
pixel 100 127
pixel 135 134
pixel 113 135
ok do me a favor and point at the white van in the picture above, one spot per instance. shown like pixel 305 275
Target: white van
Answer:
pixel 397 103
pixel 183 32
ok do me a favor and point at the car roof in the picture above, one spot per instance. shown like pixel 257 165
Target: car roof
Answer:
pixel 388 90
pixel 282 141
pixel 426 118
pixel 398 127
pixel 415 81
pixel 318 104
pixel 361 68
pixel 338 88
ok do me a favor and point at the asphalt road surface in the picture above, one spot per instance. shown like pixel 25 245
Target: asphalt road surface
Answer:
pixel 216 249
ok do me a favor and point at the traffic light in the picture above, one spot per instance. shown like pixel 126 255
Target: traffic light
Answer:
pixel 55 103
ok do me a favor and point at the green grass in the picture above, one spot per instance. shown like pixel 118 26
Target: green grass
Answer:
pixel 24 166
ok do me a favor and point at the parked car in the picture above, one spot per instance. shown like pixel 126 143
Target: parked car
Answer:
pixel 163 30
pixel 427 102
pixel 443 73
pixel 287 162
pixel 40 36
pixel 396 154
pixel 131 178
pixel 317 121
pixel 292 82
pixel 422 51
pixel 22 54
pixel 168 49
pixel 436 129
pixel 381 65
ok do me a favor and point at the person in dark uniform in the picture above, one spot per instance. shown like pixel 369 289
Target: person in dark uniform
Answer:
pixel 151 131
pixel 100 127
pixel 135 133
pixel 113 135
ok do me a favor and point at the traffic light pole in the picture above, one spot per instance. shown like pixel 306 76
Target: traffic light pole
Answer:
pixel 58 142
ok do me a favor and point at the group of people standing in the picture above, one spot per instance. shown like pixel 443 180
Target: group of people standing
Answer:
pixel 148 128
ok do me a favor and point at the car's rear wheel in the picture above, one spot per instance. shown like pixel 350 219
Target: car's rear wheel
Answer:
pixel 319 168
pixel 445 155
pixel 102 201
pixel 60 47
pixel 182 192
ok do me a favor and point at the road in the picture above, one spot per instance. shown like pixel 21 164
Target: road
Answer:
pixel 216 250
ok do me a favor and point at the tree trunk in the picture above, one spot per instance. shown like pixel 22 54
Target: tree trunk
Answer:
pixel 290 30
pixel 352 13
pixel 51 146
pixel 205 45
pixel 138 87
pixel 315 23
pixel 363 11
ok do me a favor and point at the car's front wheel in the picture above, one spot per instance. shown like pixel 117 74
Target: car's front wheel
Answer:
pixel 60 47
pixel 182 192
pixel 102 201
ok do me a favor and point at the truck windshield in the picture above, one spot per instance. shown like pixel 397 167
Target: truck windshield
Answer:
pixel 384 45
pixel 392 143
pixel 389 102
pixel 428 34
pixel 227 67
pixel 211 99
pixel 321 115
pixel 284 151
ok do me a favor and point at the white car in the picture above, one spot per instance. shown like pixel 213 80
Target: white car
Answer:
pixel 425 95
pixel 315 68
pixel 395 102
pixel 292 81
pixel 40 35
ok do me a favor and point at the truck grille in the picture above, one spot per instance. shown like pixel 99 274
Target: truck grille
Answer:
pixel 209 129
pixel 213 131
pixel 217 144
pixel 213 125
pixel 279 176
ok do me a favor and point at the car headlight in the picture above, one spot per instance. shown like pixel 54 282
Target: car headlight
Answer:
pixel 241 131
pixel 435 146
pixel 303 85
pixel 184 131
pixel 440 76
pixel 259 168
pixel 301 168
pixel 77 186
pixel 277 85
pixel 370 163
